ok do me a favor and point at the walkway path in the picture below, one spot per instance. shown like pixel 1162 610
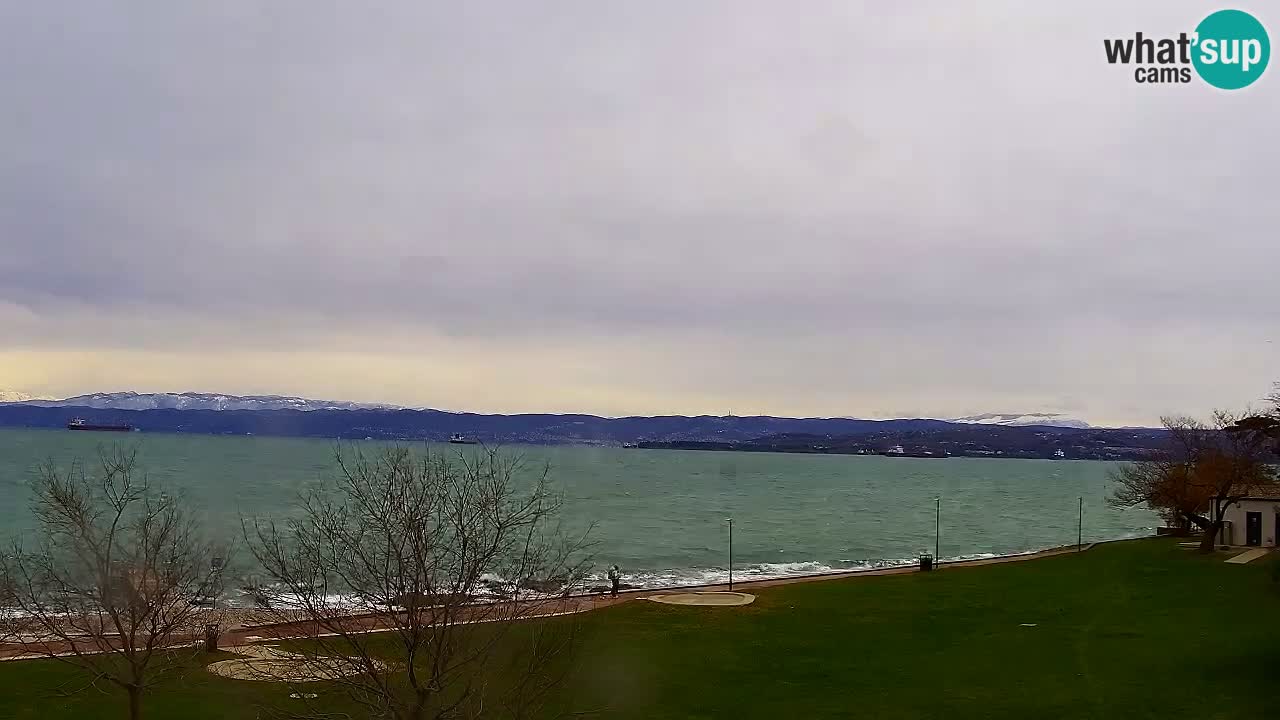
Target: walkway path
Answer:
pixel 1249 556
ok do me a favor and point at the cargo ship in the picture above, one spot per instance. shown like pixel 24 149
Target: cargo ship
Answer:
pixel 897 451
pixel 80 424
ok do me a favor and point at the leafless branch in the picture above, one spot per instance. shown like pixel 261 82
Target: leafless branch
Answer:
pixel 114 579
pixel 444 558
pixel 1205 469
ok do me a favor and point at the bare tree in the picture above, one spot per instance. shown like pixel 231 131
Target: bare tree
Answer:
pixel 113 585
pixel 418 575
pixel 1263 427
pixel 1205 470
pixel 8 613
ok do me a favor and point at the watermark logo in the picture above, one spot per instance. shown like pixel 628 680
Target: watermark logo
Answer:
pixel 1234 49
pixel 1228 49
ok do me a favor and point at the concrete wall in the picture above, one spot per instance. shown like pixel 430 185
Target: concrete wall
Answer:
pixel 1236 515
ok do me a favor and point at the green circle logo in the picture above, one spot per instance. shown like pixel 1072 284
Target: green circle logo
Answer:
pixel 1232 49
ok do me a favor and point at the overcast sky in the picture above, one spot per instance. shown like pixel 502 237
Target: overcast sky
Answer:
pixel 820 208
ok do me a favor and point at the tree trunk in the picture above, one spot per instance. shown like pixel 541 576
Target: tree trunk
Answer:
pixel 1210 540
pixel 135 702
pixel 417 711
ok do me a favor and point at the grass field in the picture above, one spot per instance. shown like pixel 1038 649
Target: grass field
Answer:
pixel 1126 630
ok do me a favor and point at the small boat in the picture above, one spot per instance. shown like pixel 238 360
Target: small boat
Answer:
pixel 80 424
pixel 460 439
pixel 1058 454
pixel 630 445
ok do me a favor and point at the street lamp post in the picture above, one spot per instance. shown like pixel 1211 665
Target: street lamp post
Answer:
pixel 731 553
pixel 937 530
pixel 1080 527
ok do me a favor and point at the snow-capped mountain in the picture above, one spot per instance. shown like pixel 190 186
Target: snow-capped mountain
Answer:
pixel 1049 419
pixel 218 401
pixel 195 401
pixel 13 396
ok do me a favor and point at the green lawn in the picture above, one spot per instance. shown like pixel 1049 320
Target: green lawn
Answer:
pixel 1127 630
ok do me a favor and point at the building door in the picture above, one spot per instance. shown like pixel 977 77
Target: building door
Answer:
pixel 1253 528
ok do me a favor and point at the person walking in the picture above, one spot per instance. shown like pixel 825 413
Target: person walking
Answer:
pixel 615 579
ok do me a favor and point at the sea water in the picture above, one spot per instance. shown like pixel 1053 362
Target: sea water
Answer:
pixel 663 515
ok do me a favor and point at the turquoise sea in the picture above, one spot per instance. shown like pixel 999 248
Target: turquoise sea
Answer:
pixel 662 514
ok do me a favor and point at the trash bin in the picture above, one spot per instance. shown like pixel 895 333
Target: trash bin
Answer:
pixel 926 562
pixel 211 633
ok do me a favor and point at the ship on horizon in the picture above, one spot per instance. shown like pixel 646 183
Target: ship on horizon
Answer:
pixel 460 439
pixel 898 451
pixel 81 424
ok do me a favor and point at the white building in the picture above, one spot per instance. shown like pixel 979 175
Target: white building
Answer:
pixel 1252 521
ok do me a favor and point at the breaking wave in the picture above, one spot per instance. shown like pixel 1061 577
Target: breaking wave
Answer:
pixel 656 579
pixel 651 579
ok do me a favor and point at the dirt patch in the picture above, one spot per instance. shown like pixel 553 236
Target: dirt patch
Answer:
pixel 267 663
pixel 713 599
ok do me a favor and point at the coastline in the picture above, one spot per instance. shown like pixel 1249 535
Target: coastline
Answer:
pixel 846 437
pixel 763 574
pixel 603 599
pixel 250 625
pixel 237 617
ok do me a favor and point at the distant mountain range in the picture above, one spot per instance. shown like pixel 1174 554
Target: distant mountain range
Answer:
pixel 217 401
pixel 991 435
pixel 188 401
pixel 1021 419
pixel 13 396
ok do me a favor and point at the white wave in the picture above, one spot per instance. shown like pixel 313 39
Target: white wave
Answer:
pixel 494 587
pixel 690 577
pixel 490 587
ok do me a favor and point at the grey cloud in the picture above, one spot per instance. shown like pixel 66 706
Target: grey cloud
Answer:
pixel 787 181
